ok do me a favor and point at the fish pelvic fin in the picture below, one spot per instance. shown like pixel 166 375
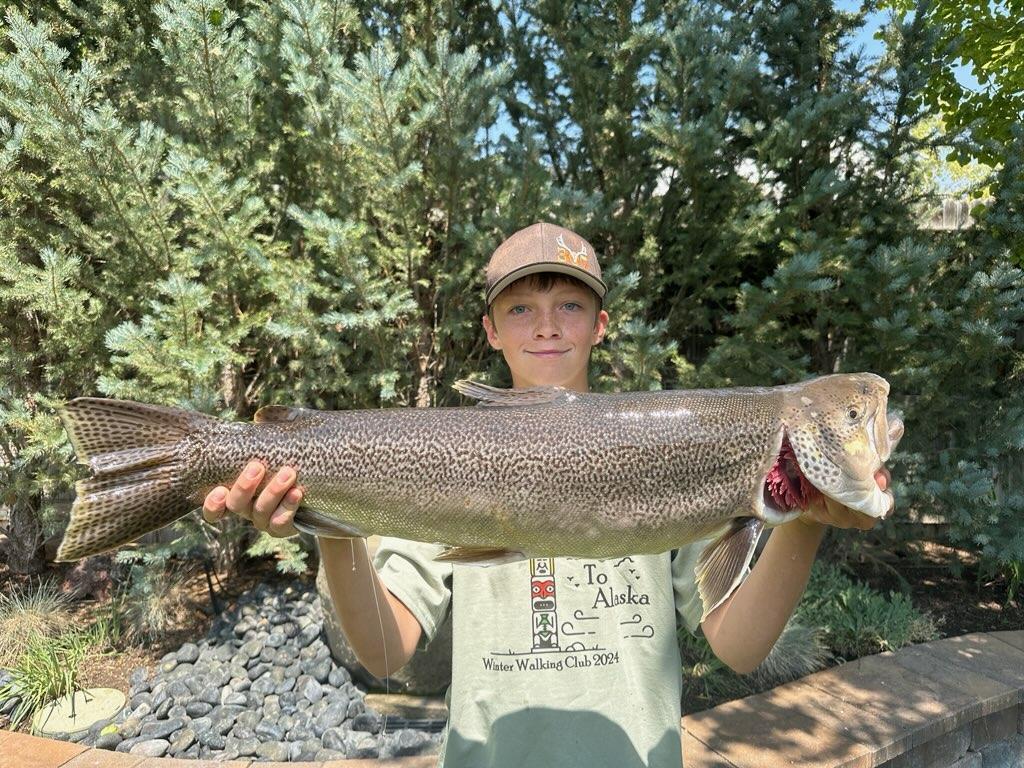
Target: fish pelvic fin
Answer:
pixel 139 455
pixel 482 556
pixel 496 396
pixel 721 565
pixel 317 523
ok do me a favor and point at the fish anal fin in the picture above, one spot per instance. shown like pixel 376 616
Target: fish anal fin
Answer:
pixel 279 413
pixel 316 523
pixel 721 565
pixel 496 396
pixel 482 556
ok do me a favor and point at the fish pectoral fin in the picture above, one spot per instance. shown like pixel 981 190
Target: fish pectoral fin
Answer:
pixel 482 556
pixel 720 566
pixel 316 523
pixel 488 395
pixel 280 413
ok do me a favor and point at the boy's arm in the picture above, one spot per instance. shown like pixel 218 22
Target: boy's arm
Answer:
pixel 382 641
pixel 743 629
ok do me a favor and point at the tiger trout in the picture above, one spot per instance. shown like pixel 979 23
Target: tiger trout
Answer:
pixel 531 472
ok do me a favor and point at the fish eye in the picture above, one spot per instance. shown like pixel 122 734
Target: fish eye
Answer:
pixel 853 414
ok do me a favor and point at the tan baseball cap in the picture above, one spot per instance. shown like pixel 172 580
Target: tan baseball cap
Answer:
pixel 543 247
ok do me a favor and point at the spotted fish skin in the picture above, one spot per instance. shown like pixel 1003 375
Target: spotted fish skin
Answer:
pixel 539 472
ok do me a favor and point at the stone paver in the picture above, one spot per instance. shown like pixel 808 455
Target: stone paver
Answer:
pixel 895 708
pixel 995 727
pixel 176 762
pixel 791 725
pixel 696 754
pixel 19 750
pixel 941 751
pixel 104 758
pixel 1007 754
pixel 1014 637
pixel 988 695
pixel 984 654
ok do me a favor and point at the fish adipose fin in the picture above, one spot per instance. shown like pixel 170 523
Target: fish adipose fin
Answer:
pixel 138 454
pixel 480 556
pixel 488 395
pixel 721 565
pixel 318 524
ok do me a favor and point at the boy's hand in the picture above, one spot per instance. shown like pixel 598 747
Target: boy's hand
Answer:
pixel 273 509
pixel 833 513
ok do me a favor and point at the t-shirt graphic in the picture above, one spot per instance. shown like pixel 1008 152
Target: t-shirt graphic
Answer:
pixel 573 632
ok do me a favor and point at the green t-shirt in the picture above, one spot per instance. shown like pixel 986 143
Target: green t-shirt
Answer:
pixel 556 662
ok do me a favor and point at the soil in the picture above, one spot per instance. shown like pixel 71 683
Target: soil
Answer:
pixel 959 604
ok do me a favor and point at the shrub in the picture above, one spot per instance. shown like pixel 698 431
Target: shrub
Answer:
pixel 46 670
pixel 857 620
pixel 153 603
pixel 38 610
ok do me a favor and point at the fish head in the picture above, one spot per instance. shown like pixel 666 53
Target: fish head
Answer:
pixel 842 433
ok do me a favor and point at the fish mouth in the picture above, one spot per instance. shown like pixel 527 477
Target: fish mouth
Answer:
pixel 786 492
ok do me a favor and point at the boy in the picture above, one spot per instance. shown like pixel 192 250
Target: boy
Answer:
pixel 555 661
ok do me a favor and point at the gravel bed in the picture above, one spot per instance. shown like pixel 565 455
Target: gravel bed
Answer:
pixel 262 685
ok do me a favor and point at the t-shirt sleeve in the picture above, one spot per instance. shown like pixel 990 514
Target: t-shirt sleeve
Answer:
pixel 411 574
pixel 688 606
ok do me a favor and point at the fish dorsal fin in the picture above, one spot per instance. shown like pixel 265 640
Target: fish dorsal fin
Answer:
pixel 280 413
pixel 488 395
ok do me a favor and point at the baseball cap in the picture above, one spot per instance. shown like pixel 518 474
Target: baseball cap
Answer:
pixel 543 247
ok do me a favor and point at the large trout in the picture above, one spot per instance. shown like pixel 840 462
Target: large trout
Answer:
pixel 534 472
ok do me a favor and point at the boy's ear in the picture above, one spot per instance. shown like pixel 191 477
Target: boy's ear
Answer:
pixel 492 335
pixel 600 326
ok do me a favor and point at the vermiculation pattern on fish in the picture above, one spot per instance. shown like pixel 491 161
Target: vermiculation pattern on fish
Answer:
pixel 535 472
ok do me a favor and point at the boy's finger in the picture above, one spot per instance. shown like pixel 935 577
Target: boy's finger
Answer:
pixel 281 520
pixel 270 499
pixel 882 477
pixel 240 496
pixel 213 504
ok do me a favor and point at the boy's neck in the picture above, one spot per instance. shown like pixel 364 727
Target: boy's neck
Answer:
pixel 580 384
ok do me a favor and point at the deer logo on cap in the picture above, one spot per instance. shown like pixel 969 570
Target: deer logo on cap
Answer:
pixel 576 258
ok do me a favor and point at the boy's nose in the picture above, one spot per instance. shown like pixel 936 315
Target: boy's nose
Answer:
pixel 546 327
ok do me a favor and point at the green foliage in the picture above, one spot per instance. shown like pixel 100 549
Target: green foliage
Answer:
pixel 857 620
pixel 46 670
pixel 223 208
pixel 27 612
pixel 986 38
pixel 291 557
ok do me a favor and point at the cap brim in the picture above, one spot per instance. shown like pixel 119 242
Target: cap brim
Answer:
pixel 547 266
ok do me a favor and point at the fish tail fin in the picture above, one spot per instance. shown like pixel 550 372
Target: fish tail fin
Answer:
pixel 139 455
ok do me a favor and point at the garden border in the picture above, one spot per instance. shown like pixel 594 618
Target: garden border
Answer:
pixel 952 703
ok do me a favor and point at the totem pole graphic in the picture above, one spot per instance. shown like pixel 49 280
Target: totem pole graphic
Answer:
pixel 542 599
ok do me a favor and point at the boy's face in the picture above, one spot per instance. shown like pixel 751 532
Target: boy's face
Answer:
pixel 546 336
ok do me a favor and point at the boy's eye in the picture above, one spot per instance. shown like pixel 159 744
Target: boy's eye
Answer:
pixel 518 309
pixel 572 305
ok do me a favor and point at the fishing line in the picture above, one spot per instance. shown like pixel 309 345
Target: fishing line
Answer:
pixel 383 640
